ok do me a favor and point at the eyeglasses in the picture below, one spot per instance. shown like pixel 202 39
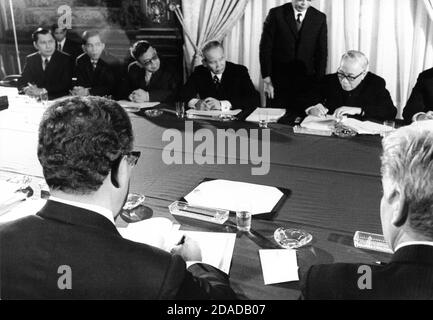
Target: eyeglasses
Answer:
pixel 132 157
pixel 342 76
pixel 149 61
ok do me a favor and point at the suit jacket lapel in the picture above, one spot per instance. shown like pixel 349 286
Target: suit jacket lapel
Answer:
pixel 306 23
pixel 290 18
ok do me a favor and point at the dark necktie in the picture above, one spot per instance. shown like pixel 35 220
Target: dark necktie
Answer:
pixel 59 47
pixel 45 64
pixel 299 22
pixel 216 81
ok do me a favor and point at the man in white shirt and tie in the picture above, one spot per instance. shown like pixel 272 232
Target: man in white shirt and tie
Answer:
pixel 219 84
pixel 63 43
pixel 47 69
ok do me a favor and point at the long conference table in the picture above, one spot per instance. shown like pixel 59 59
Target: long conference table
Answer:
pixel 334 188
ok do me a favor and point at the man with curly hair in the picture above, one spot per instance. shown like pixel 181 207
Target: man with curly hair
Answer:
pixel 85 149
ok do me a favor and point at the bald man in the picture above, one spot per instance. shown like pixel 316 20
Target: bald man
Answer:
pixel 352 91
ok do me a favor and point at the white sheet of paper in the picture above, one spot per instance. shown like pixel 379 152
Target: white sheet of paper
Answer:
pixel 212 113
pixel 216 248
pixel 23 209
pixel 366 127
pixel 319 123
pixel 278 266
pixel 269 114
pixel 235 196
pixel 134 106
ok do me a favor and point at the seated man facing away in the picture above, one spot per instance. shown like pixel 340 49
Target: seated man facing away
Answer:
pixel 353 90
pixel 218 84
pixel 85 149
pixel 149 79
pixel 407 222
pixel 420 104
pixel 47 69
pixel 96 70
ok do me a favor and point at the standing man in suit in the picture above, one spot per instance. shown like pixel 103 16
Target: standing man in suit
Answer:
pixel 352 91
pixel 96 70
pixel 85 149
pixel 420 104
pixel 293 52
pixel 219 84
pixel 406 213
pixel 63 43
pixel 47 69
pixel 149 79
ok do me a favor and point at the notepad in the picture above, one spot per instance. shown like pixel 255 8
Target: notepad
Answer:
pixel 216 248
pixel 279 266
pixel 268 114
pixel 235 196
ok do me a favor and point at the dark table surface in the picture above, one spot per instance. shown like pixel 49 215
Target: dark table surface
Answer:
pixel 334 184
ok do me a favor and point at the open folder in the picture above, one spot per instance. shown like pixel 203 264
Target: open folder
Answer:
pixel 216 248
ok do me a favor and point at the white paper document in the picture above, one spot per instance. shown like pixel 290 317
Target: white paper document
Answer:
pixel 135 107
pixel 212 113
pixel 23 209
pixel 235 196
pixel 278 266
pixel 268 114
pixel 366 127
pixel 326 123
pixel 216 248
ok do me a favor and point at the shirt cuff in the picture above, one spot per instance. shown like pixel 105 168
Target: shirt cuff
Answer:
pixel 225 105
pixel 192 103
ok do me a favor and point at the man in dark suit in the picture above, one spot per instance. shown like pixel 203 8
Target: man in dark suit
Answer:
pixel 218 84
pixel 352 91
pixel 407 222
pixel 71 249
pixel 149 79
pixel 420 104
pixel 47 69
pixel 293 52
pixel 96 70
pixel 64 44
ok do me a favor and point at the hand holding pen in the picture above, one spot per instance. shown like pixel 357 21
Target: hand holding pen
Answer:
pixel 188 249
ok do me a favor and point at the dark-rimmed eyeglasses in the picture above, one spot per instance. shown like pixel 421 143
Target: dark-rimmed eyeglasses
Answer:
pixel 342 75
pixel 149 61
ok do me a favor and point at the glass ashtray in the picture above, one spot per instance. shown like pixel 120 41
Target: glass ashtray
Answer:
pixel 153 113
pixel 343 131
pixel 292 238
pixel 133 201
pixel 133 210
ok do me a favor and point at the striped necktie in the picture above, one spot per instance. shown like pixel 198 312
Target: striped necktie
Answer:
pixel 45 63
pixel 299 22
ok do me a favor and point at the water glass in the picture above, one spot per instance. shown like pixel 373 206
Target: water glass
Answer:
pixel 243 220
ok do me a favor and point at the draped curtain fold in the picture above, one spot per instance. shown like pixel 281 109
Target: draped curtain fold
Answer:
pixel 208 20
pixel 396 35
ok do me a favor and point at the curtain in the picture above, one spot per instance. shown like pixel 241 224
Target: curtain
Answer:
pixel 208 20
pixel 396 35
pixel 4 8
pixel 429 6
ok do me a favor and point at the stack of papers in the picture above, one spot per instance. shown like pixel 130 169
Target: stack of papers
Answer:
pixel 366 127
pixel 268 114
pixel 279 266
pixel 216 248
pixel 326 123
pixel 212 113
pixel 235 196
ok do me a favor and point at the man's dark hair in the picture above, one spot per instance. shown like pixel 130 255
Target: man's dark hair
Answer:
pixel 39 31
pixel 139 48
pixel 80 140
pixel 91 33
pixel 55 26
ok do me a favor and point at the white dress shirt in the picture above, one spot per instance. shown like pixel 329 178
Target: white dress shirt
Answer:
pixel 302 15
pixel 94 208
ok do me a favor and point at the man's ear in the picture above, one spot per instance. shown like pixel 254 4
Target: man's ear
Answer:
pixel 84 48
pixel 35 45
pixel 123 173
pixel 400 207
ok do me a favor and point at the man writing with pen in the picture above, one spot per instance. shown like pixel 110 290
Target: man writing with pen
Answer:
pixel 219 84
pixel 47 69
pixel 352 91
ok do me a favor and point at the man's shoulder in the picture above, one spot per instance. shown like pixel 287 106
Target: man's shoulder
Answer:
pixel 239 68
pixel 33 56
pixel 134 67
pixel 426 75
pixel 82 58
pixel 317 13
pixel 62 56
pixel 374 80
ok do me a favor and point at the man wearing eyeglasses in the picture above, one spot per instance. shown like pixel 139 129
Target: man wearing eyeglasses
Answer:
pixel 71 248
pixel 352 91
pixel 149 79
pixel 96 70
